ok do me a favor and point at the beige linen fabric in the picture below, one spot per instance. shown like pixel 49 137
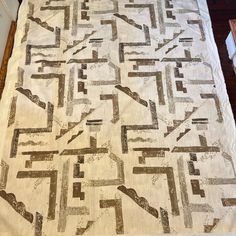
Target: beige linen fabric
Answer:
pixel 115 120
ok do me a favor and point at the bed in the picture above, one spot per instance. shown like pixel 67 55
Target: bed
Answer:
pixel 115 119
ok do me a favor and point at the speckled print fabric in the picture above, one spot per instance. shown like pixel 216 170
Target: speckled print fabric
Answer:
pixel 115 120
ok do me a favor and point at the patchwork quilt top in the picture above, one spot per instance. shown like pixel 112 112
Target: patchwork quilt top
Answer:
pixel 115 120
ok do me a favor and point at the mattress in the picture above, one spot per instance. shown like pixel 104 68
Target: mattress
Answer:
pixel 115 120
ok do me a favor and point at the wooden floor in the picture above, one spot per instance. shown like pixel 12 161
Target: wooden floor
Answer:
pixel 7 55
pixel 221 11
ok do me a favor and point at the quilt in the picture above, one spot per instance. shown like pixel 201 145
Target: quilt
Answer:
pixel 115 120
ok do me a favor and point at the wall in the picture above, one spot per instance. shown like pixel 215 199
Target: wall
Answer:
pixel 8 13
